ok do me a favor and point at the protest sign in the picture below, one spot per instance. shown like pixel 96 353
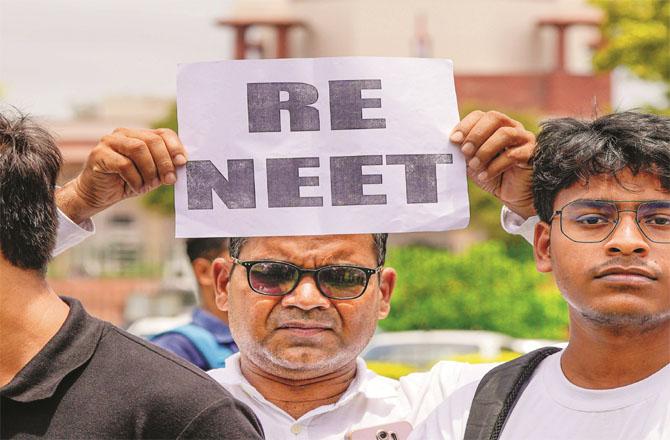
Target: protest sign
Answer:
pixel 318 146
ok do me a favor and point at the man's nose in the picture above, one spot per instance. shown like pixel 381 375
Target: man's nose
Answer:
pixel 627 238
pixel 306 295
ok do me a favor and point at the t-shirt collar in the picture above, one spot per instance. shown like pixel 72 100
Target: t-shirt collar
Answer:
pixel 71 347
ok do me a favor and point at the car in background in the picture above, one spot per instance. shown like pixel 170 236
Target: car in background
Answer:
pixel 421 349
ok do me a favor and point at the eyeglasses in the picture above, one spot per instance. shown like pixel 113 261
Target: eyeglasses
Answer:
pixel 592 221
pixel 278 278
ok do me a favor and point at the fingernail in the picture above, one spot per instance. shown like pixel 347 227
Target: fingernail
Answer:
pixel 483 175
pixel 155 182
pixel 474 163
pixel 179 159
pixel 456 137
pixel 145 189
pixel 170 178
pixel 468 149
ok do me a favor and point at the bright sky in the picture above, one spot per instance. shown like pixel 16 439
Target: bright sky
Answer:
pixel 54 54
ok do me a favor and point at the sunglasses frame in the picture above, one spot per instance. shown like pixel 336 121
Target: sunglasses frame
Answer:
pixel 616 223
pixel 301 271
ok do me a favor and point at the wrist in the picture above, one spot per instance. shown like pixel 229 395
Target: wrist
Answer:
pixel 73 206
pixel 523 211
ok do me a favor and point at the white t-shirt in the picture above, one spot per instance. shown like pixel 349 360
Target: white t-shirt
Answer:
pixel 551 407
pixel 370 400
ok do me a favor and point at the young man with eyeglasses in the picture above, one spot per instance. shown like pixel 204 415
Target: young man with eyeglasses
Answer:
pixel 602 191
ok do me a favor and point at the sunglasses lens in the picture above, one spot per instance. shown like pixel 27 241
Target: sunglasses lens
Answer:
pixel 342 282
pixel 272 278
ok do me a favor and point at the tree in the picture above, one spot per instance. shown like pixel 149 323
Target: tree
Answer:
pixel 636 35
pixel 482 288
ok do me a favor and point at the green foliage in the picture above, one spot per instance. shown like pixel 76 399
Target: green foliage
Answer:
pixel 170 120
pixel 483 289
pixel 637 35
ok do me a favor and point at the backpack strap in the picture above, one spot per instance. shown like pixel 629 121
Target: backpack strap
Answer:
pixel 498 392
pixel 215 354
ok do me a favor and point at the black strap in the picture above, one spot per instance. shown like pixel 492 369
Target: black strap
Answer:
pixel 498 392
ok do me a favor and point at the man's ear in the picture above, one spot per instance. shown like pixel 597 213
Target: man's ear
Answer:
pixel 542 247
pixel 387 279
pixel 221 269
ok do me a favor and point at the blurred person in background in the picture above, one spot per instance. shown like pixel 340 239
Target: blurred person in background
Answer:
pixel 64 373
pixel 602 191
pixel 206 341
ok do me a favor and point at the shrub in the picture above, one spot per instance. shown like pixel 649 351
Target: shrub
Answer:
pixel 481 289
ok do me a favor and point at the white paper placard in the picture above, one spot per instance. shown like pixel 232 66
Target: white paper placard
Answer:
pixel 318 146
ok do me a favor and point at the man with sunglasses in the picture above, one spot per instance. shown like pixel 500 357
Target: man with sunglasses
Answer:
pixel 302 309
pixel 602 191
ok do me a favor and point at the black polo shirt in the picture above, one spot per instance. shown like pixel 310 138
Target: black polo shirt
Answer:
pixel 93 380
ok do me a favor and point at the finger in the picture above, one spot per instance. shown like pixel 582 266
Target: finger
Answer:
pixel 510 158
pixel 175 147
pixel 482 130
pixel 112 162
pixel 162 167
pixel 161 158
pixel 502 139
pixel 138 152
pixel 462 129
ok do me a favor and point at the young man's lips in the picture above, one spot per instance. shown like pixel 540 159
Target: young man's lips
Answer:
pixel 626 275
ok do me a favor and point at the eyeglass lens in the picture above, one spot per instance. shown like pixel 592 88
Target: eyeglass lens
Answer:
pixel 276 278
pixel 594 220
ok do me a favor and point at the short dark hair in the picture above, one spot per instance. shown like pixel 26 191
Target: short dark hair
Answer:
pixel 208 248
pixel 236 243
pixel 29 165
pixel 569 150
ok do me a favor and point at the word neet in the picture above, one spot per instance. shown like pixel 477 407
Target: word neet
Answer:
pixel 264 107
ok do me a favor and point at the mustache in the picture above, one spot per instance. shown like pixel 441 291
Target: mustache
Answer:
pixel 280 316
pixel 625 262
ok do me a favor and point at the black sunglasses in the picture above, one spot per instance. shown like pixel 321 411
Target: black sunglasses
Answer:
pixel 278 278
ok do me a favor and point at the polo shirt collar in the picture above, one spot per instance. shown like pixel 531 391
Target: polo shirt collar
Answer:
pixel 214 325
pixel 71 347
pixel 366 382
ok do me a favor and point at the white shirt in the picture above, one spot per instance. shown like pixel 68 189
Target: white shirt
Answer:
pixel 370 400
pixel 71 234
pixel 551 407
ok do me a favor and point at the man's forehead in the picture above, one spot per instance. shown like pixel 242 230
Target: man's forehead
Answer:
pixel 623 186
pixel 352 247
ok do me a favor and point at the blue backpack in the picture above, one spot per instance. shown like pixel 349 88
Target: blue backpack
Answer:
pixel 215 355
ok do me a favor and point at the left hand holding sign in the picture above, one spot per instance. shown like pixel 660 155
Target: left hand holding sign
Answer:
pixel 498 150
pixel 125 163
